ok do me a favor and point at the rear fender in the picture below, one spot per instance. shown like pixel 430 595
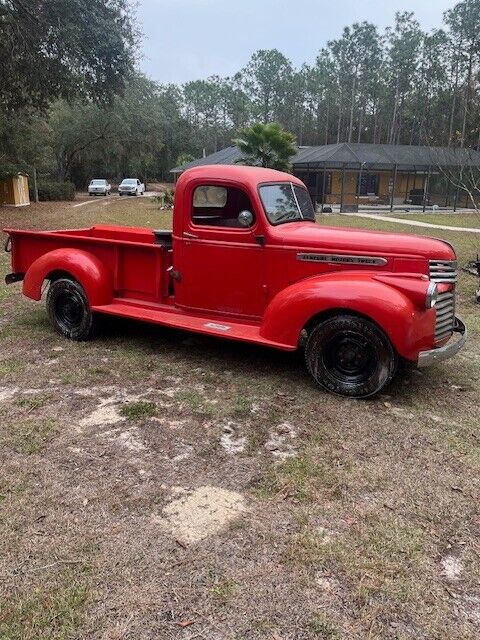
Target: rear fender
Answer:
pixel 83 266
pixel 409 327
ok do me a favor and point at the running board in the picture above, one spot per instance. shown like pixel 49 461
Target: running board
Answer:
pixel 231 329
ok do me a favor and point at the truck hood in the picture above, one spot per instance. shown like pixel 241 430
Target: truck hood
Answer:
pixel 309 235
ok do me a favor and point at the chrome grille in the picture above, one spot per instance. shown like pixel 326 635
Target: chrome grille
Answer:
pixel 443 270
pixel 445 309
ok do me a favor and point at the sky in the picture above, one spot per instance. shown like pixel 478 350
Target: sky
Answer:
pixel 193 39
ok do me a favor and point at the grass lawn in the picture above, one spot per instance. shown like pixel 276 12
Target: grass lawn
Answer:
pixel 471 220
pixel 157 484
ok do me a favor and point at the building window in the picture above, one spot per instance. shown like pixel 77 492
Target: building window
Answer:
pixel 368 184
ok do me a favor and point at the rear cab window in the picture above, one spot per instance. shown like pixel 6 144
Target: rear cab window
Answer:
pixel 219 206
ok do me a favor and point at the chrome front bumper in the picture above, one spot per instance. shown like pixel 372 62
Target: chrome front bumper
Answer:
pixel 427 358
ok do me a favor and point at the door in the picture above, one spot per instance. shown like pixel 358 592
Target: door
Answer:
pixel 223 268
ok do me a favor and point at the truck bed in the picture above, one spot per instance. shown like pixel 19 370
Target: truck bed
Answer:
pixel 138 258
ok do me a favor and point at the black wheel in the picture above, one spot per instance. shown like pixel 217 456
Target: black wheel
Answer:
pixel 350 356
pixel 68 309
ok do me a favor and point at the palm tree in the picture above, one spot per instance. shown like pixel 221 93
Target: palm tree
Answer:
pixel 266 145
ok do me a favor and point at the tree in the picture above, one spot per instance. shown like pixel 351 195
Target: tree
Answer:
pixel 464 23
pixel 266 78
pixel 184 158
pixel 141 133
pixel 320 97
pixel 67 49
pixel 404 42
pixel 266 145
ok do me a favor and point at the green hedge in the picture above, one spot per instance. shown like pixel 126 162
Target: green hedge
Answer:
pixel 54 191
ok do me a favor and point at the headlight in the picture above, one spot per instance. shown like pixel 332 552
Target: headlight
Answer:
pixel 432 295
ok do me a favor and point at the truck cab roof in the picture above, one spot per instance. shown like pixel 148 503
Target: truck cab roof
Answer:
pixel 247 176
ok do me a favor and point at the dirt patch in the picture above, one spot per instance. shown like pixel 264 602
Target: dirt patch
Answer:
pixel 452 567
pixel 7 392
pixel 203 513
pixel 232 440
pixel 280 441
pixel 106 413
pixel 131 440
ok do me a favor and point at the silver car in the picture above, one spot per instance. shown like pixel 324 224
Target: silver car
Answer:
pixel 131 187
pixel 99 187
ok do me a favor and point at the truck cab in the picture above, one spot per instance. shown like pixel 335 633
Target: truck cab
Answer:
pixel 247 260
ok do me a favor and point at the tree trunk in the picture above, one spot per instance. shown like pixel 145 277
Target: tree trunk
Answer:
pixel 340 114
pixel 394 114
pixel 454 105
pixel 467 97
pixel 327 118
pixel 375 123
pixel 352 107
pixel 360 122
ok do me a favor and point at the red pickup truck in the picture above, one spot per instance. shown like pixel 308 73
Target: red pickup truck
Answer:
pixel 246 260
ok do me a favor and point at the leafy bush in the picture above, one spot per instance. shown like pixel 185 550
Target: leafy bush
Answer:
pixel 54 191
pixel 165 199
pixel 168 199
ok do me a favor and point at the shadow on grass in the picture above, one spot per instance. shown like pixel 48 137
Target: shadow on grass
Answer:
pixel 150 339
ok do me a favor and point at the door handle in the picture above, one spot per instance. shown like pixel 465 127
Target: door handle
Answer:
pixel 187 234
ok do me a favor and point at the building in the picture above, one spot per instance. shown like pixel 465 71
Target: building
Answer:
pixel 14 190
pixel 353 176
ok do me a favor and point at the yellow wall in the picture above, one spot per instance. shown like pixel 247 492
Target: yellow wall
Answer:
pixel 14 191
pixel 350 192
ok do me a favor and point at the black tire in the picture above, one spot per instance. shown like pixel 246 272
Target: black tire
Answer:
pixel 68 309
pixel 350 356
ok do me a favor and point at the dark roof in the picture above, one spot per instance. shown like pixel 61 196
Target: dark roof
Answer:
pixel 352 155
pixel 224 156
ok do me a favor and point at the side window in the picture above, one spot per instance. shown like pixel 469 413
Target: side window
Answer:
pixel 369 184
pixel 216 206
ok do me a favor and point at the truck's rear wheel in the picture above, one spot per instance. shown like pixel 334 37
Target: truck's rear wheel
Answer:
pixel 68 309
pixel 350 356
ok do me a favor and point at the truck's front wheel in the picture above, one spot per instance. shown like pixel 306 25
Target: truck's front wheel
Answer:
pixel 350 356
pixel 68 309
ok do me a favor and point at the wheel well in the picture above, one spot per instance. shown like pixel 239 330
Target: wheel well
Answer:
pixel 330 313
pixel 56 275
pixel 53 276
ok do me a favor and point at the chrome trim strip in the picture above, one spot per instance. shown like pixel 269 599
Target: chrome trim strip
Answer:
pixel 426 358
pixel 333 258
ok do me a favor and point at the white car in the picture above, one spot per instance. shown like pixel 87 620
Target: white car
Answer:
pixel 99 188
pixel 131 187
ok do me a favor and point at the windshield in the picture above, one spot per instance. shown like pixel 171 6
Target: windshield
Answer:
pixel 129 181
pixel 286 202
pixel 98 182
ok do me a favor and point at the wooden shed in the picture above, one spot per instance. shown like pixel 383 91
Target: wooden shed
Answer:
pixel 14 190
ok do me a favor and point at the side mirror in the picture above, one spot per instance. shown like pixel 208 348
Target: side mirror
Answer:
pixel 245 218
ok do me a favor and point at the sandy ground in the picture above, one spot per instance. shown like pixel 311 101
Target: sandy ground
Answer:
pixel 157 484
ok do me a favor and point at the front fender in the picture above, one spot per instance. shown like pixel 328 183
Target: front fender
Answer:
pixel 86 268
pixel 409 327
